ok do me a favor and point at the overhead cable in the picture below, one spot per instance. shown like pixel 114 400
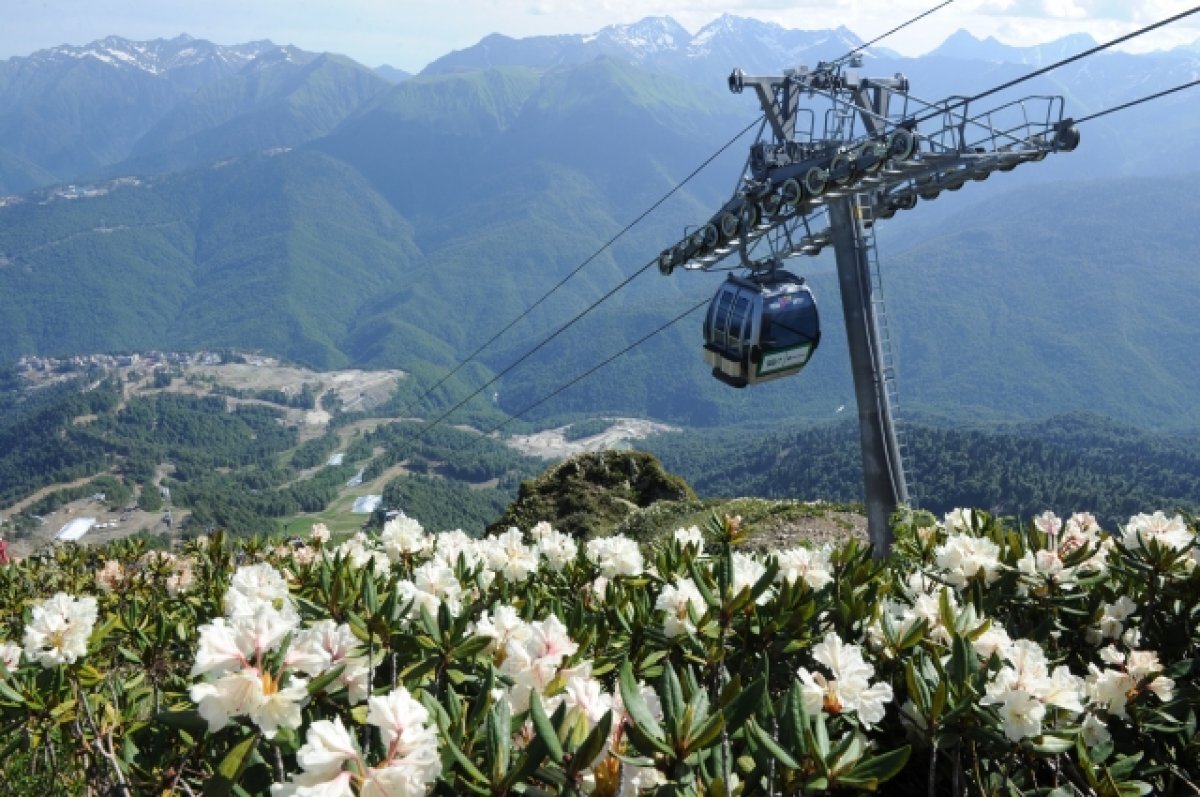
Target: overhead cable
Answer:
pixel 1061 63
pixel 1138 101
pixel 899 27
pixel 598 366
pixel 590 258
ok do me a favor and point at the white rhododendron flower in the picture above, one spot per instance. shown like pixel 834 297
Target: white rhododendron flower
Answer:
pixel 324 646
pixel 248 674
pixel 10 655
pixel 332 763
pixel 746 572
pixel 1027 669
pixel 615 556
pixel 1112 620
pixel 508 555
pixel 433 584
pixel 1049 524
pixel 691 537
pixel 450 545
pixel 111 576
pixel 587 703
pixel 533 660
pixel 504 625
pixel 963 558
pixel 1025 688
pixel 359 550
pixel 319 533
pixel 251 693
pixel 925 606
pixel 327 748
pixel 1038 568
pixel 259 589
pixel 558 549
pixel 1167 532
pixel 674 601
pixel 1021 714
pixel 811 565
pixel 959 520
pixel 59 629
pixel 403 536
pixel 848 687
pixel 405 725
pixel 1113 687
pixel 994 641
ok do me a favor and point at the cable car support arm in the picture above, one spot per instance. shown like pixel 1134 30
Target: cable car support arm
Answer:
pixel 843 152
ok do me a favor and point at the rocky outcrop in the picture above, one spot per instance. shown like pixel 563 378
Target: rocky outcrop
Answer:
pixel 591 494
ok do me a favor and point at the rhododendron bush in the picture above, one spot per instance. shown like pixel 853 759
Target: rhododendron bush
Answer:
pixel 981 657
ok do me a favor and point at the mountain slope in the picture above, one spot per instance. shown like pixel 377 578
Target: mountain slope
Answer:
pixel 660 43
pixel 279 253
pixel 282 99
pixel 74 112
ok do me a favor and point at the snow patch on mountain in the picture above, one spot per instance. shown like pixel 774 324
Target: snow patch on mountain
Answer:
pixel 159 56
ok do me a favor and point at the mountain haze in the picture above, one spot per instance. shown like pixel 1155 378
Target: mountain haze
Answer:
pixel 307 206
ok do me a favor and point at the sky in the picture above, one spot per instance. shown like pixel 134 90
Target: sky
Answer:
pixel 408 34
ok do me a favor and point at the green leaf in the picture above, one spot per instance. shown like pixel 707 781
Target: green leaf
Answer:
pixel 1047 743
pixel 1124 766
pixel 743 705
pixel 499 727
pixel 319 683
pixel 645 743
pixel 913 636
pixel 187 720
pixel 701 581
pixel 671 694
pixel 465 763
pixel 541 724
pixel 961 659
pixel 370 594
pixel 706 734
pixel 592 746
pixel 877 769
pixel 765 739
pixel 9 693
pixel 470 647
pixel 230 770
pixel 639 713
pixel 918 690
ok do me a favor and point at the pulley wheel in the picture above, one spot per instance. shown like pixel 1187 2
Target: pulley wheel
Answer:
pixel 840 169
pixel 729 225
pixel 665 266
pixel 710 235
pixel 815 180
pixel 902 144
pixel 871 157
pixel 1066 139
pixel 750 215
pixel 790 192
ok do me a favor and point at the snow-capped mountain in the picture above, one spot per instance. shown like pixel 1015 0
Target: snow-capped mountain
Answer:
pixel 662 43
pixel 70 112
pixel 158 56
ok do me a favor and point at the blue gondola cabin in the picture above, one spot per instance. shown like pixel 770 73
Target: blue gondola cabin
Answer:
pixel 760 328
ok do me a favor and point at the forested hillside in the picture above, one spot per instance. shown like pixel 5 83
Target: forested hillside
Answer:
pixel 233 460
pixel 1081 461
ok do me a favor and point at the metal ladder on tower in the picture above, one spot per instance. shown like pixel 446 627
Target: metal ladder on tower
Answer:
pixel 864 213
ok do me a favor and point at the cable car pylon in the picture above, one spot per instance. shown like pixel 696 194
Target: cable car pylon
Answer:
pixel 838 152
